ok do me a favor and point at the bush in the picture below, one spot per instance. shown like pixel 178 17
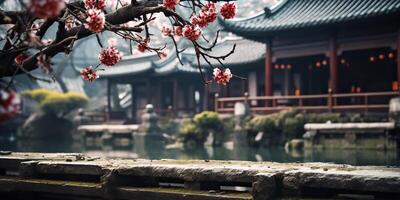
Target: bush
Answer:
pixel 263 123
pixel 57 103
pixel 189 130
pixel 208 120
pixel 39 94
pixel 323 118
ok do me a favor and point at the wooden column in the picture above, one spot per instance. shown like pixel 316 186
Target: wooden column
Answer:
pixel 108 100
pixel 268 70
pixel 398 57
pixel 205 96
pixel 333 67
pixel 175 97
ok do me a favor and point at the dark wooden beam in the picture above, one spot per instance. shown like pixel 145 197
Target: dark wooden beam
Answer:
pixel 333 67
pixel 398 57
pixel 268 69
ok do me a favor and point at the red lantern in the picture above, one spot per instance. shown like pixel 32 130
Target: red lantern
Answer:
pixel 391 55
pixel 372 59
pixel 318 64
pixel 289 66
pixel 381 56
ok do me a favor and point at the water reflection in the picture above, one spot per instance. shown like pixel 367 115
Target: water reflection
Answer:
pixel 155 150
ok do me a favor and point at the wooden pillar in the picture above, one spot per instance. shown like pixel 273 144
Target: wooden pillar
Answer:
pixel 268 70
pixel 398 57
pixel 205 96
pixel 175 97
pixel 333 67
pixel 108 99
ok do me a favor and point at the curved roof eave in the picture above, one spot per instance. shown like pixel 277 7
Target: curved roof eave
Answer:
pixel 298 14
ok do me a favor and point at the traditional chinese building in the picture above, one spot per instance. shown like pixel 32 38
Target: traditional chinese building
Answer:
pixel 316 55
pixel 321 55
pixel 173 88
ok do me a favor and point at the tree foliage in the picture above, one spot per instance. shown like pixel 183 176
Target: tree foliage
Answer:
pixel 57 103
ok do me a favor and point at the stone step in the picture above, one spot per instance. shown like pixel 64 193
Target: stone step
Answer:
pixel 76 175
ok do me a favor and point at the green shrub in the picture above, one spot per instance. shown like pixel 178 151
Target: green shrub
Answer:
pixel 57 103
pixel 264 123
pixel 293 127
pixel 323 118
pixel 39 94
pixel 208 120
pixel 190 130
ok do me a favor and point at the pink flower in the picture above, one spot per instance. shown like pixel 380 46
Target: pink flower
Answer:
pixel 46 9
pixel 166 31
pixel 178 30
pixel 228 10
pixel 207 15
pixel 9 104
pixel 89 74
pixel 170 4
pixel 142 47
pixel 95 21
pixel 163 54
pixel 44 62
pixel 97 4
pixel 191 32
pixel 21 57
pixel 198 20
pixel 222 77
pixel 110 56
pixel 209 12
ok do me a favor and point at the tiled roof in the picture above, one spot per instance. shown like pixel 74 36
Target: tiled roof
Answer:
pixel 246 51
pixel 294 14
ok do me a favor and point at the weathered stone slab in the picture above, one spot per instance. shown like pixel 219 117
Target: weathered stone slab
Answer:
pixel 177 194
pixel 158 179
pixel 13 184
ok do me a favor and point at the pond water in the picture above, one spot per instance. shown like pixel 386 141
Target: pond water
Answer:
pixel 155 150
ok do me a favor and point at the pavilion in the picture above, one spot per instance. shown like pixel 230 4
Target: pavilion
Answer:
pixel 323 55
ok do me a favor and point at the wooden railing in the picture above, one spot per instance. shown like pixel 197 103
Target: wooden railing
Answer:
pixel 364 102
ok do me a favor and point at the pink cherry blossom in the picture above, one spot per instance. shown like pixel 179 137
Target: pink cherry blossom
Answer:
pixel 46 9
pixel 95 20
pixel 110 56
pixel 97 4
pixel 170 4
pixel 21 57
pixel 222 76
pixel 44 62
pixel 166 31
pixel 142 47
pixel 89 74
pixel 228 10
pixel 191 32
pixel 178 30
pixel 10 104
pixel 207 15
